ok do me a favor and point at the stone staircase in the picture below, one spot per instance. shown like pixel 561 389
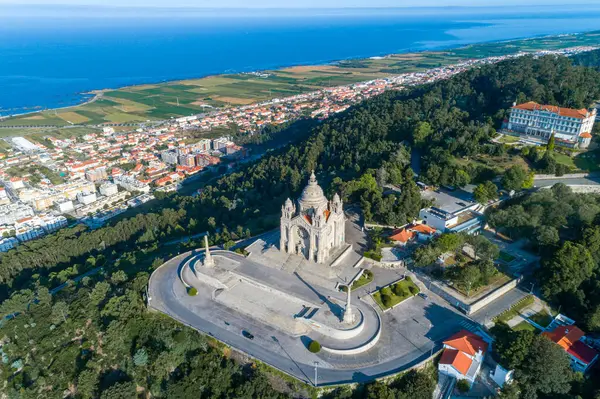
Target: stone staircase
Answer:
pixel 444 387
pixel 292 264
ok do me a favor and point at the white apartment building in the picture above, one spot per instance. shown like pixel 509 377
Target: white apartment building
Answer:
pixel 221 143
pixel 131 184
pixel 87 198
pixel 10 213
pixel 169 157
pixel 571 127
pixel 96 174
pixel 465 220
pixel 52 223
pixel 108 189
pixel 64 206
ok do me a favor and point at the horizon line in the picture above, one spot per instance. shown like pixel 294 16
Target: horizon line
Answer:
pixel 116 6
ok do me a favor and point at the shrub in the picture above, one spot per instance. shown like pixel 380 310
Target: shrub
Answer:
pixel 192 291
pixel 368 274
pixel 407 278
pixel 386 300
pixel 398 289
pixel 314 346
pixel 386 291
pixel 413 290
pixel 463 386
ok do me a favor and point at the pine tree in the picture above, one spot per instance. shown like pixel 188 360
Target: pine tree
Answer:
pixel 551 143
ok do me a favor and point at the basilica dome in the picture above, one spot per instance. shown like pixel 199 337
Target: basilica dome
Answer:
pixel 312 195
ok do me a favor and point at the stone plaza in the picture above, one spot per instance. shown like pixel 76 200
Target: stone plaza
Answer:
pixel 285 292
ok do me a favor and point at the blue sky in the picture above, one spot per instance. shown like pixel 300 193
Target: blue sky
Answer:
pixel 299 3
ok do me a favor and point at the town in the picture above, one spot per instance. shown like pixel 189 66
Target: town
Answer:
pixel 95 177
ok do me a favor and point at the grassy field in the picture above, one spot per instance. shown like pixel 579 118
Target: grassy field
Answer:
pixel 179 98
pixel 586 161
pixel 498 164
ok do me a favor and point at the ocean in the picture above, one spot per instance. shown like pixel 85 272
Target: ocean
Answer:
pixel 51 56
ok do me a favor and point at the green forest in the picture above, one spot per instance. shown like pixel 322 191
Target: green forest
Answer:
pixel 95 339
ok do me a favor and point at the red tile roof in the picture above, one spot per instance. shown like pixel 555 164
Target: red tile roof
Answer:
pixel 423 229
pixel 565 336
pixel 568 112
pixel 457 359
pixel 402 235
pixel 568 337
pixel 466 341
pixel 585 135
pixel 583 352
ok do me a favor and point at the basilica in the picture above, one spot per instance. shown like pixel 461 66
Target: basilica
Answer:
pixel 314 227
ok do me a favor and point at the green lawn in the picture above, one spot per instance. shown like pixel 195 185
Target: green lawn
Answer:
pixel 589 161
pixel 542 318
pixel 524 325
pixel 506 257
pixel 390 296
pixel 365 279
pixel 508 139
pixel 565 160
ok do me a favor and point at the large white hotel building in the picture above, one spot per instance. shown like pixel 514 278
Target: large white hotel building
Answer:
pixel 571 127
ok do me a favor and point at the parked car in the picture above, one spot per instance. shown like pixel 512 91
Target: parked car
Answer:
pixel 423 295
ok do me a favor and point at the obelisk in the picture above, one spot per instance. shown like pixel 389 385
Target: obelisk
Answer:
pixel 348 314
pixel 208 260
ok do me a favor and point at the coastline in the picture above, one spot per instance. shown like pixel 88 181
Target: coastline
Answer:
pixel 98 94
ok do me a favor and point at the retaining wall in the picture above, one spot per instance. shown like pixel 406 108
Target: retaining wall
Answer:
pixel 334 332
pixel 359 349
pixel 342 256
pixel 566 176
pixel 492 296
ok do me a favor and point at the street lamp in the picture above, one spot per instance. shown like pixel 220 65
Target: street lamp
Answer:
pixel 432 341
pixel 316 366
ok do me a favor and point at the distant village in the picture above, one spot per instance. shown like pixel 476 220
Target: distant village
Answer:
pixel 48 184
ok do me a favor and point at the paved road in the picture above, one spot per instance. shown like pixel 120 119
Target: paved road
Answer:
pixel 486 314
pixel 421 337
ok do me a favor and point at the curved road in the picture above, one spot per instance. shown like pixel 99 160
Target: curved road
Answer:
pixel 167 295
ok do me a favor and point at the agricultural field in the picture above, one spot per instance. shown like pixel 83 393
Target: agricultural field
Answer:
pixel 155 102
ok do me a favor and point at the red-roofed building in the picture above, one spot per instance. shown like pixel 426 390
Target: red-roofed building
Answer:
pixel 422 232
pixel 569 338
pixel 570 127
pixel 463 355
pixel 402 236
